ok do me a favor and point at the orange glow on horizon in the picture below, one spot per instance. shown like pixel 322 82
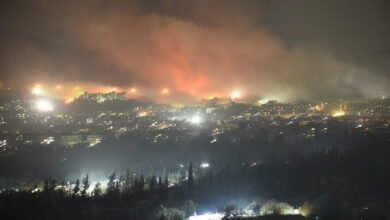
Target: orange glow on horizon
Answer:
pixel 189 92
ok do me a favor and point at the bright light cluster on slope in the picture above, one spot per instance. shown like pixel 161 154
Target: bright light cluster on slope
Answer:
pixel 207 216
pixel 44 106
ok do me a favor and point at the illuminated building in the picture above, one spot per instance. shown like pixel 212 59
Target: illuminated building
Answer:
pixel 341 112
pixel 76 139
pixel 93 140
pixel 103 97
pixel 71 140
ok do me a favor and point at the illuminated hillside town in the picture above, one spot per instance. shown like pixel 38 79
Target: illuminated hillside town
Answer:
pixel 82 130
pixel 94 117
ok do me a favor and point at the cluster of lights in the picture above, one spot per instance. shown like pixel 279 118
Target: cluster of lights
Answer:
pixel 48 140
pixel 338 113
pixel 39 90
pixel 204 165
pixel 207 216
pixel 278 208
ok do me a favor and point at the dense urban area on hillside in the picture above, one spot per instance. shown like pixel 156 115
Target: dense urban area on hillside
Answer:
pixel 140 160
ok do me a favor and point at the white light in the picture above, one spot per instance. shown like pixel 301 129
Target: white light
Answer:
pixel 3 143
pixel 235 95
pixel 44 106
pixel 204 165
pixel 216 216
pixel 196 119
pixel 263 101
pixel 48 140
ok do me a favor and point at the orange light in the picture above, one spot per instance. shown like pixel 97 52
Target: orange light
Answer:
pixel 165 91
pixel 69 100
pixel 133 90
pixel 37 90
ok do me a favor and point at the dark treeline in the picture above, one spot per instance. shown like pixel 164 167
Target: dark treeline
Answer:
pixel 126 197
pixel 338 184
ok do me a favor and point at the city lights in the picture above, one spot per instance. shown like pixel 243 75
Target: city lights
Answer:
pixel 338 113
pixel 44 106
pixel 207 216
pixel 142 114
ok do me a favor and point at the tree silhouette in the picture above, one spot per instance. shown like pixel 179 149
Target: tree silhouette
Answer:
pixel 86 185
pixel 111 183
pixel 46 186
pixel 121 183
pixel 152 183
pixel 127 184
pixel 160 184
pixel 190 176
pixel 166 182
pixel 97 191
pixel 76 188
pixel 141 183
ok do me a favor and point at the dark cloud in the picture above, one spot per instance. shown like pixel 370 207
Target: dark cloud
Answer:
pixel 301 49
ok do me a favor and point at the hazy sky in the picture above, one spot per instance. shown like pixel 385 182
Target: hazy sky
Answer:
pixel 271 48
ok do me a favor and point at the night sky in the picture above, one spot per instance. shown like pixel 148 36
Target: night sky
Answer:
pixel 301 49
